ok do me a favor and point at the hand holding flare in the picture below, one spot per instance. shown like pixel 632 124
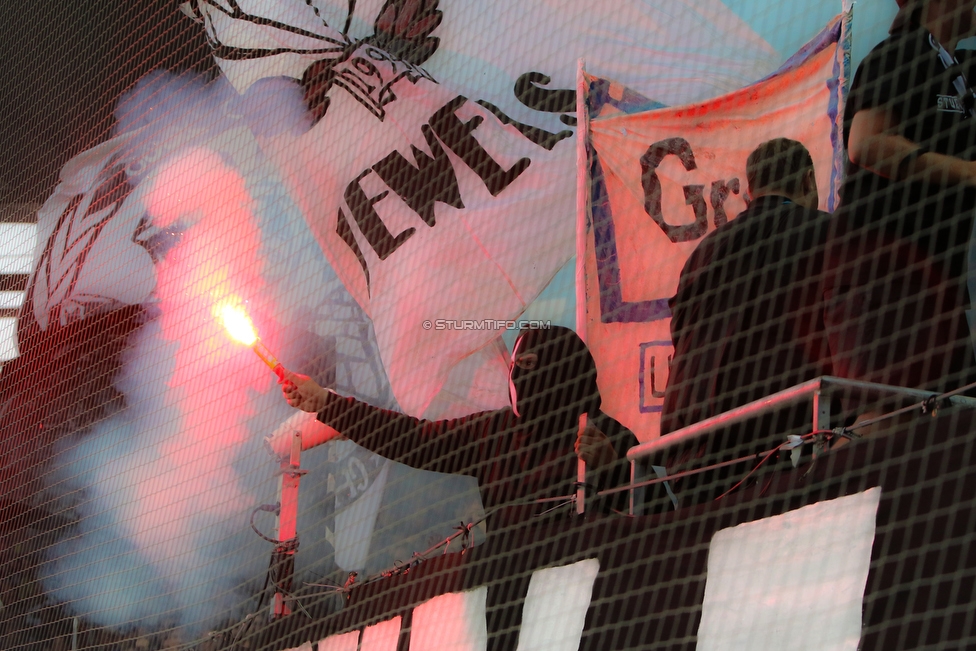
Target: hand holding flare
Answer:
pixel 240 328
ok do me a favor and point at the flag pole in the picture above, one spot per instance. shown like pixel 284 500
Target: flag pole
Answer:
pixel 582 197
pixel 582 207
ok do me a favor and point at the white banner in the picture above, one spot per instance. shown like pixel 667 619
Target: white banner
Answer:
pixel 435 197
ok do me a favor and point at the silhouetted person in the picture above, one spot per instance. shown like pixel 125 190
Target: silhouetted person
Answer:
pixel 747 316
pixel 897 295
pixel 518 454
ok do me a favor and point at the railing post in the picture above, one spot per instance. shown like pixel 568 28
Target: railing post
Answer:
pixel 284 553
pixel 821 411
pixel 581 470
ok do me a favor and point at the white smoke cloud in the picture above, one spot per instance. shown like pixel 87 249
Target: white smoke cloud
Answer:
pixel 161 492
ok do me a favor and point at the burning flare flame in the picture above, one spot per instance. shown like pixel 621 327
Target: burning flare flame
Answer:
pixel 241 329
pixel 237 323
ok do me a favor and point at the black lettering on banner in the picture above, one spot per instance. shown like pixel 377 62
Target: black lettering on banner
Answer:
pixel 372 227
pixel 694 194
pixel 695 197
pixel 720 192
pixel 545 139
pixel 529 91
pixel 433 179
pixel 457 136
pixel 344 231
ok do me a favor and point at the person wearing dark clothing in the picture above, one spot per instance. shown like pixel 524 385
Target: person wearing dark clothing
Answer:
pixel 518 454
pixel 896 297
pixel 747 317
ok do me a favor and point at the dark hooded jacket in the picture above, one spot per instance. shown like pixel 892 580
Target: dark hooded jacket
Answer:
pixel 514 457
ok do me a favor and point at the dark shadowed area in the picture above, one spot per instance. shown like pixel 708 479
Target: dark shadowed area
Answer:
pixel 65 65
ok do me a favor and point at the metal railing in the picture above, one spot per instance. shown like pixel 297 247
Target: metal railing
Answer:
pixel 303 432
pixel 818 391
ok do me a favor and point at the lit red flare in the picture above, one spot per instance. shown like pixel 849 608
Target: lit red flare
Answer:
pixel 237 323
pixel 241 329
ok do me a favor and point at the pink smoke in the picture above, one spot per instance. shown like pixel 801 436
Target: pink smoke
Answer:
pixel 213 378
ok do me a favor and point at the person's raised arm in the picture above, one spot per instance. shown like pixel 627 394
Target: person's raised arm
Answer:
pixel 450 446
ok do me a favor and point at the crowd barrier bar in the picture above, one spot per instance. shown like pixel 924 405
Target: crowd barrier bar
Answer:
pixel 818 390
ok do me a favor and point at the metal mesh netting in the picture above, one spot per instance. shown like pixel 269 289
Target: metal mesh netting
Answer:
pixel 383 200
